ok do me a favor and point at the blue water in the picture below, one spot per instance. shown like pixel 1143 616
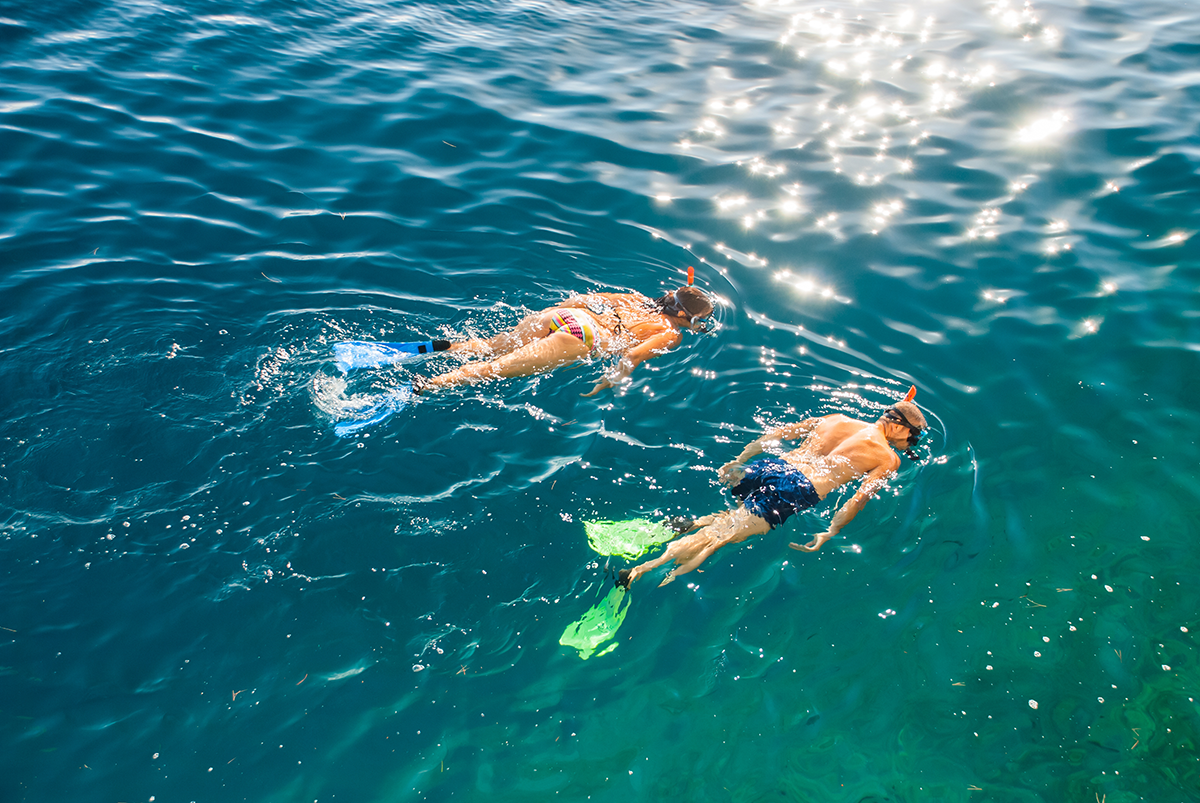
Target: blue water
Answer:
pixel 207 596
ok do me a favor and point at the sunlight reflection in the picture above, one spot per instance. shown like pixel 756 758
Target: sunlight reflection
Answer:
pixel 803 284
pixel 732 203
pixel 889 80
pixel 998 296
pixel 1043 129
pixel 986 225
pixel 828 220
pixel 758 166
pixel 883 213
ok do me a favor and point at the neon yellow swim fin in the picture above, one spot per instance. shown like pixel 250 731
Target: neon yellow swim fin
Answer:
pixel 598 626
pixel 629 539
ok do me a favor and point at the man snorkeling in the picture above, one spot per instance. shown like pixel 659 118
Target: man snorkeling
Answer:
pixel 836 449
pixel 629 326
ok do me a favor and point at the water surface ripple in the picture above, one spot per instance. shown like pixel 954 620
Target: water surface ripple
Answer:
pixel 207 596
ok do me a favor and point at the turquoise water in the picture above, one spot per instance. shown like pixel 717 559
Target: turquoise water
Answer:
pixel 207 596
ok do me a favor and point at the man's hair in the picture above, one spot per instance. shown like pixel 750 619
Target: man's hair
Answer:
pixel 690 300
pixel 911 412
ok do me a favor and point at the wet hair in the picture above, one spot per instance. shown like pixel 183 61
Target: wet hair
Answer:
pixel 911 413
pixel 689 300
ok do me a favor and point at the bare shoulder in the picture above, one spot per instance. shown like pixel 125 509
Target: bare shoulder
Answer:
pixel 842 424
pixel 879 458
pixel 662 337
pixel 624 299
pixel 891 461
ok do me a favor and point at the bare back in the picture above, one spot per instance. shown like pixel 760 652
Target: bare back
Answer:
pixel 841 448
pixel 630 318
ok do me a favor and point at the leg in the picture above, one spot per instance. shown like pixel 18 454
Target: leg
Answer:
pixel 545 354
pixel 532 327
pixel 731 527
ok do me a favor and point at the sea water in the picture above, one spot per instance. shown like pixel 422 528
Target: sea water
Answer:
pixel 207 596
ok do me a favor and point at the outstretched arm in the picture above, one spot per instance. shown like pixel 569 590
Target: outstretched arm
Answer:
pixel 584 301
pixel 788 432
pixel 870 486
pixel 731 470
pixel 659 344
pixel 592 301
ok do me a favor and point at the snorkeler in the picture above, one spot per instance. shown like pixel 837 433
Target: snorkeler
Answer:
pixel 628 326
pixel 836 449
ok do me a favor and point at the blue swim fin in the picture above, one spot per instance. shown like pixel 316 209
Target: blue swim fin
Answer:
pixel 351 354
pixel 384 407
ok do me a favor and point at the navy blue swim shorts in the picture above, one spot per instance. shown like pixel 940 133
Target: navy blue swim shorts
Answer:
pixel 774 489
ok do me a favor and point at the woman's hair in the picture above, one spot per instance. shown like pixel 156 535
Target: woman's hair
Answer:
pixel 689 300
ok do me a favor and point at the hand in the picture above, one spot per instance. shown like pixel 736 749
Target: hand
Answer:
pixel 603 384
pixel 815 543
pixel 732 472
pixel 613 376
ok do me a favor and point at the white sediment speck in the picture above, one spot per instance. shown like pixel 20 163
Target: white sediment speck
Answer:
pixel 1033 704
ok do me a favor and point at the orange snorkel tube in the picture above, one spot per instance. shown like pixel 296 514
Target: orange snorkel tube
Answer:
pixel 691 275
pixel 912 394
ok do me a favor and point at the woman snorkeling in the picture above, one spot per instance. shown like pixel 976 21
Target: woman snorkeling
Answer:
pixel 628 326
